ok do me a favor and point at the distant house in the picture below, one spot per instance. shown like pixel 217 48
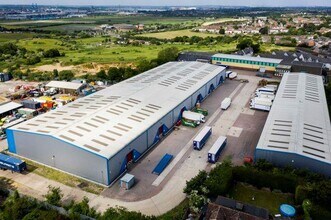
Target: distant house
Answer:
pixel 195 56
pixel 229 209
pixel 301 61
pixel 124 27
pixel 140 27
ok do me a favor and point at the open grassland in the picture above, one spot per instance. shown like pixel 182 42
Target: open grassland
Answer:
pixel 92 50
pixel 261 198
pixel 8 37
pixel 180 33
pixel 273 47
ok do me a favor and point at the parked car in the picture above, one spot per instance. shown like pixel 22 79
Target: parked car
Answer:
pixel 3 136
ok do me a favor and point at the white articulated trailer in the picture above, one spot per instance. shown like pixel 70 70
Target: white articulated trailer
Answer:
pixel 261 103
pixel 194 116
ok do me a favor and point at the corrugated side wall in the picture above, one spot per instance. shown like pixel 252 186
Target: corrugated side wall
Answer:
pixel 295 160
pixel 61 155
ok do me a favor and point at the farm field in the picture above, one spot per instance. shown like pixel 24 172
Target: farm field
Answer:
pixel 180 33
pixel 7 37
pixel 222 20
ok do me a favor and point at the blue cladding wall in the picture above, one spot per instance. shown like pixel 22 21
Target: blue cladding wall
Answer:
pixel 11 141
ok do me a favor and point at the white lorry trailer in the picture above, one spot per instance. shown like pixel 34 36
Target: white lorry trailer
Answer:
pixel 266 90
pixel 194 116
pixel 201 139
pixel 261 104
pixel 226 103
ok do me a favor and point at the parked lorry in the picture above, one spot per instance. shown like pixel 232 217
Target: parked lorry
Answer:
pixel 266 96
pixel 226 103
pixel 215 151
pixel 194 116
pixel 200 140
pixel 266 90
pixel 227 73
pixel 11 163
pixel 189 123
pixel 201 111
pixel 261 104
pixel 233 75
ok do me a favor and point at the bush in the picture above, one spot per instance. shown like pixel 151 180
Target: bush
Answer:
pixel 301 193
pixel 121 213
pixel 196 183
pixel 219 180
pixel 52 53
pixel 54 195
pixel 283 182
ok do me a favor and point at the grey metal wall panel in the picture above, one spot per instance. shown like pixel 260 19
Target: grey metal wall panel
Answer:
pixel 187 103
pixel 61 155
pixel 295 160
pixel 152 131
pixel 115 163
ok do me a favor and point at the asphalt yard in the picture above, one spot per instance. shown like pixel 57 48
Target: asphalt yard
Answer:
pixel 240 124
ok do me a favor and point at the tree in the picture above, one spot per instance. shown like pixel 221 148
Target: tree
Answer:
pixel 84 208
pixel 54 195
pixel 264 30
pixel 222 31
pixel 102 75
pixel 220 179
pixel 196 183
pixel 247 42
pixel 52 53
pixel 115 74
pixel 66 75
pixel 166 55
pixel 55 73
pixel 196 201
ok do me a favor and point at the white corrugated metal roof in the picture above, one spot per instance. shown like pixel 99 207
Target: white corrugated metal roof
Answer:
pixel 299 119
pixel 9 106
pixel 108 120
pixel 64 85
pixel 249 58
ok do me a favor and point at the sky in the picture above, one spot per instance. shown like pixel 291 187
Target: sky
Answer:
pixel 176 2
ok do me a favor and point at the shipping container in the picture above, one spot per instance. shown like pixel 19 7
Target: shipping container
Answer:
pixel 215 151
pixel 127 181
pixel 11 163
pixel 31 104
pixel 200 140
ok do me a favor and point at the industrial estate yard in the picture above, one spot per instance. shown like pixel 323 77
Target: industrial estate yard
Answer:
pixel 166 190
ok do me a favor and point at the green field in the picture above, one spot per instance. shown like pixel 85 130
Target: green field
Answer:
pixel 92 50
pixel 262 198
pixel 180 33
pixel 7 37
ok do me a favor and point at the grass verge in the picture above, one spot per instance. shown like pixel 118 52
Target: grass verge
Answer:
pixel 176 213
pixel 262 198
pixel 62 177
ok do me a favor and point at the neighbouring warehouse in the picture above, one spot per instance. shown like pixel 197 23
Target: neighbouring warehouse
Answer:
pixel 96 136
pixel 297 131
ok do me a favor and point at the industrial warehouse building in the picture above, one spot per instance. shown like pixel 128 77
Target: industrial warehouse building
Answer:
pixel 66 87
pixel 95 137
pixel 246 62
pixel 297 131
